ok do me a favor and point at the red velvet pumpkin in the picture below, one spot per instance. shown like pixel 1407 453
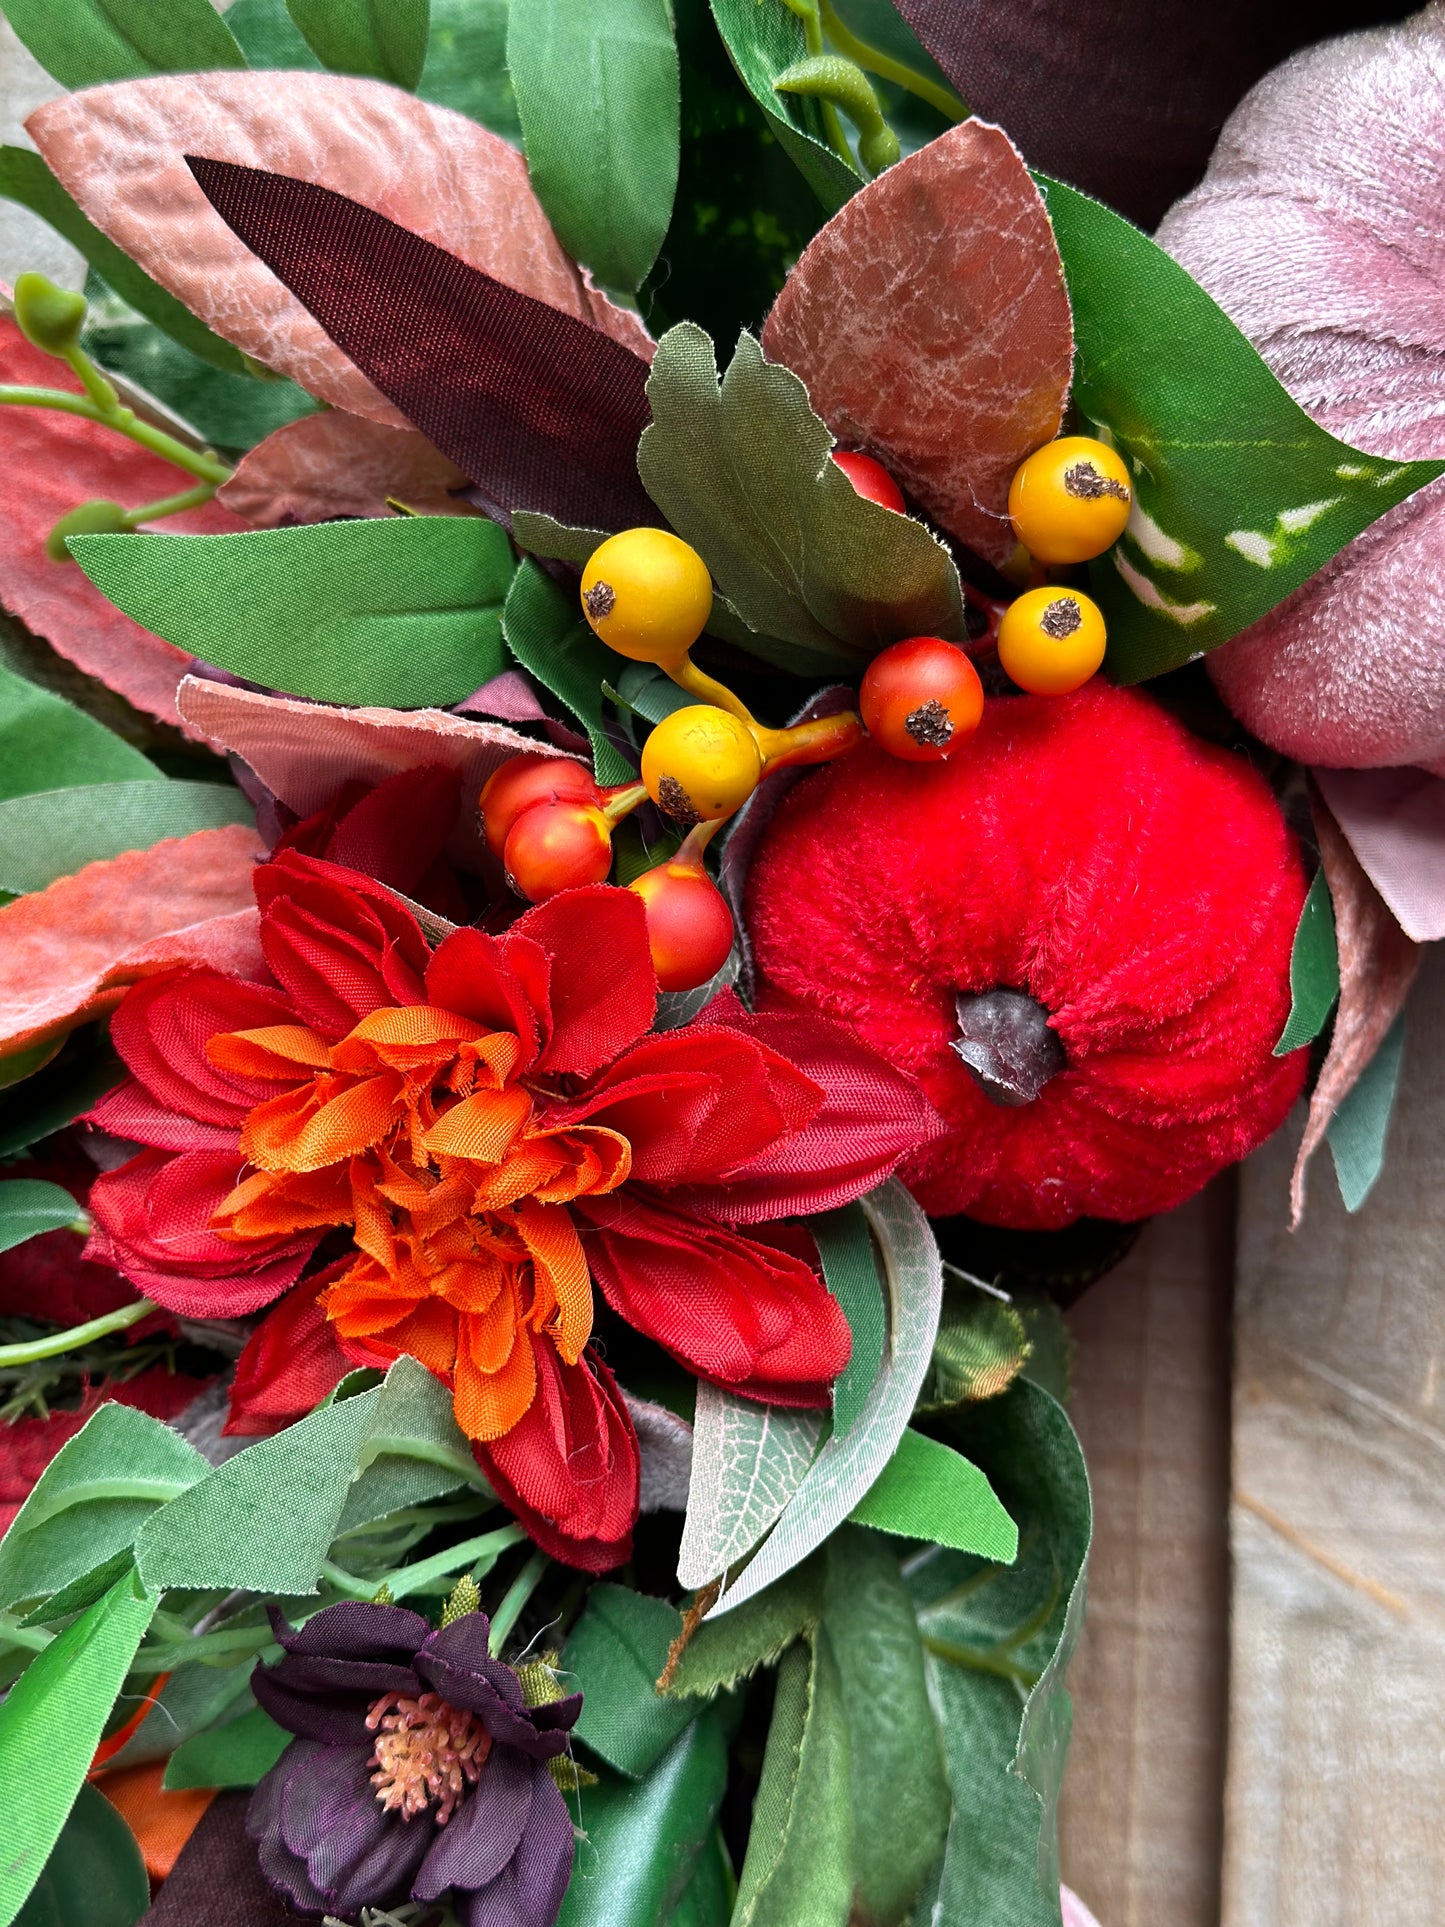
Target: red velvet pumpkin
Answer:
pixel 1137 884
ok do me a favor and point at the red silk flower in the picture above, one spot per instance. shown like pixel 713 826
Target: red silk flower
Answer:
pixel 499 1129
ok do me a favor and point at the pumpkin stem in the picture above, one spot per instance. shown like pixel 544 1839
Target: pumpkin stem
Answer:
pixel 1007 1045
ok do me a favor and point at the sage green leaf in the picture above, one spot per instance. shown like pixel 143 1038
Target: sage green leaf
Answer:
pixel 615 1656
pixel 901 1806
pixel 929 1491
pixel 997 1642
pixel 83 1071
pixel 798 1869
pixel 708 1901
pixel 91 1500
pixel 236 1754
pixel 385 39
pixel 850 1271
pixel 79 1593
pixel 28 1207
pixel 1358 1129
pixel 402 613
pixel 763 42
pixel 596 85
pixel 747 1462
pixel 741 469
pixel 46 742
pixel 82 43
pixel 192 1700
pixel 95 1876
pixel 541 534
pixel 1239 496
pixel 51 1723
pixel 981 1347
pixel 547 634
pixel 728 1649
pixel 269 37
pixel 414 1449
pixel 1314 969
pixel 466 65
pixel 641 1840
pixel 53 833
pixel 847 1467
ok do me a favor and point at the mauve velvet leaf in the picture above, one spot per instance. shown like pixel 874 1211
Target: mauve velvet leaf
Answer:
pixel 52 463
pixel 120 150
pixel 1318 230
pixel 540 410
pixel 1394 821
pixel 930 324
pixel 337 464
pixel 66 953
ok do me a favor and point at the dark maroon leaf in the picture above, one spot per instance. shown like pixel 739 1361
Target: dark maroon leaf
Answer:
pixel 540 411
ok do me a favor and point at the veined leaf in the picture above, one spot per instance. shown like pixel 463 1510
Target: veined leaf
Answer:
pixel 52 833
pixel 402 613
pixel 596 85
pixel 929 1491
pixel 28 1206
pixel 82 43
pixel 1239 496
pixel 763 42
pixel 1314 969
pixel 846 1468
pixel 46 741
pixel 546 633
pixel 95 1876
pixel 385 39
pixel 51 1723
pixel 747 1462
pixel 614 1657
pixel 741 469
pixel 850 1271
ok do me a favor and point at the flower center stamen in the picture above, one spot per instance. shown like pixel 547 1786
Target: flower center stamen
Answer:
pixel 425 1750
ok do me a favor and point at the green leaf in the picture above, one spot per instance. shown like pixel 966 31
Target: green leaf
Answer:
pixel 82 43
pixel 29 1207
pixel 982 1346
pixel 403 613
pixel 847 1467
pixel 616 1654
pixel 91 1500
pixel 1358 1129
pixel 820 578
pixel 52 833
pixel 385 39
pixel 728 1649
pixel 466 65
pixel 901 1806
pixel 46 742
pixel 95 1876
pixel 596 85
pixel 237 1754
pixel 1314 969
pixel 269 37
pixel 708 1901
pixel 798 1869
pixel 929 1491
pixel 414 1449
pixel 24 178
pixel 191 1701
pixel 50 1726
pixel 747 1462
pixel 547 634
pixel 763 42
pixel 542 534
pixel 993 1635
pixel 83 1071
pixel 642 1840
pixel 1239 496
pixel 850 1271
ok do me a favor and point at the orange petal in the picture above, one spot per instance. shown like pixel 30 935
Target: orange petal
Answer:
pixel 280 1051
pixel 488 1404
pixel 480 1128
pixel 600 1160
pixel 267 1205
pixel 563 1304
pixel 402 1029
pixel 295 1133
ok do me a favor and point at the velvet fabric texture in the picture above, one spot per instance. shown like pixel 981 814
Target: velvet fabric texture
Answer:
pixel 1141 885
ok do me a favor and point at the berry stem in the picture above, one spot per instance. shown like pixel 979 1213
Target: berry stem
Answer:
pixel 697 682
pixel 816 742
pixel 689 853
pixel 621 800
pixel 200 463
pixel 874 61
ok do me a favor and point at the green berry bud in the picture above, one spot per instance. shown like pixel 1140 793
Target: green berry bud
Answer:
pixel 91 518
pixel 50 318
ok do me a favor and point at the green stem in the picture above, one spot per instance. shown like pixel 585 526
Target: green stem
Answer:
pixel 483 1553
pixel 78 1335
pixel 807 12
pixel 874 61
pixel 200 463
pixel 981 1662
pixel 191 498
pixel 516 1597
pixel 30 1639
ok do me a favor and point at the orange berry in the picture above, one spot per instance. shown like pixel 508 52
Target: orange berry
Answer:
pixel 557 845
pixel 1070 500
pixel 524 780
pixel 689 925
pixel 1051 640
pixel 920 699
pixel 870 479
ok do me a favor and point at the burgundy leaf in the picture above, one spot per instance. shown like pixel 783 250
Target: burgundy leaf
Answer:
pixel 540 410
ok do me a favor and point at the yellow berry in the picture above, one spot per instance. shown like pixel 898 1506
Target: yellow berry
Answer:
pixel 1051 640
pixel 700 764
pixel 1070 500
pixel 647 594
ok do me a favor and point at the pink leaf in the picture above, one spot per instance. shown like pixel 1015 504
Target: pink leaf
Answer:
pixel 120 150
pixel 50 463
pixel 1377 967
pixel 930 324
pixel 1318 230
pixel 1394 820
pixel 1075 1913
pixel 303 752
pixel 67 953
pixel 339 464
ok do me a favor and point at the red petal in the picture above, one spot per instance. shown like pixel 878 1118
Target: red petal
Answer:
pixel 49 1277
pixel 339 943
pixel 398 830
pixel 163 1027
pixel 473 975
pixel 291 1361
pixel 602 989
pixel 743 1314
pixel 130 1112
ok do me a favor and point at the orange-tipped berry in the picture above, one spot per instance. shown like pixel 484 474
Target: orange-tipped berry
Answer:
pixel 870 479
pixel 647 594
pixel 1070 500
pixel 689 925
pixel 524 780
pixel 920 699
pixel 701 763
pixel 1051 641
pixel 557 845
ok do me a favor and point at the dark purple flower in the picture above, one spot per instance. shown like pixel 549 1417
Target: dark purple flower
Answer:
pixel 417 1767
